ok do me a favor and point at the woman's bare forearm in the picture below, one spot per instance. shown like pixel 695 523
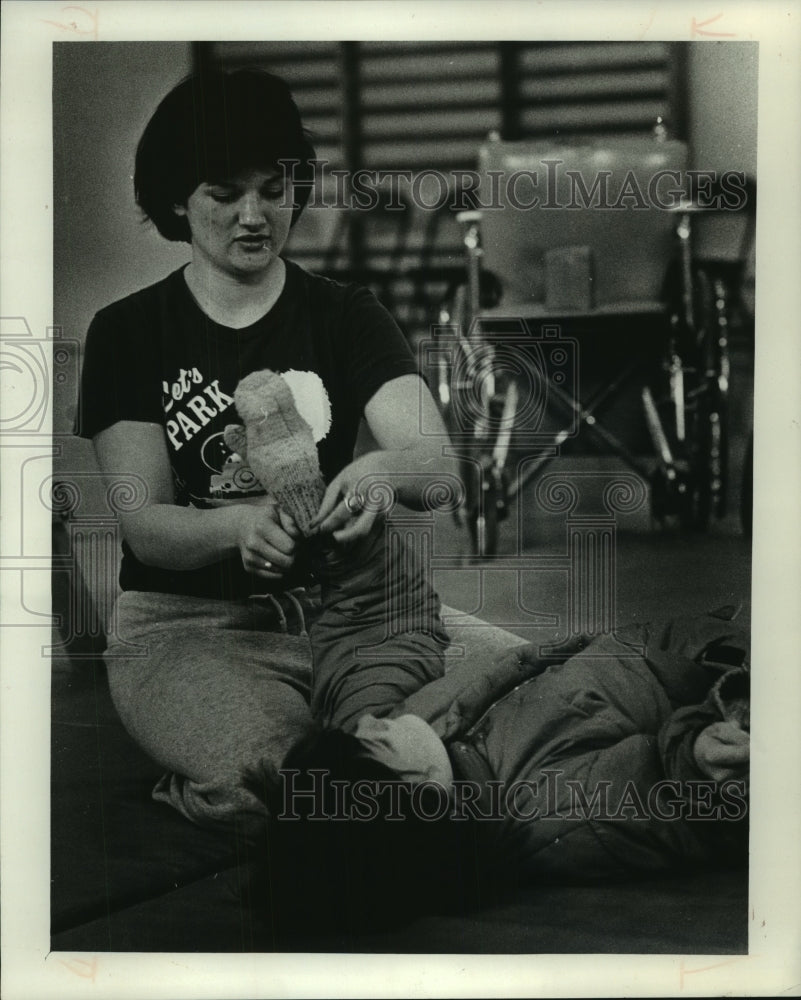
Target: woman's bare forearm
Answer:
pixel 419 479
pixel 169 536
pixel 183 538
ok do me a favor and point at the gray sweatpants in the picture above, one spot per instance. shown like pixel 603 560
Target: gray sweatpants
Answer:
pixel 218 687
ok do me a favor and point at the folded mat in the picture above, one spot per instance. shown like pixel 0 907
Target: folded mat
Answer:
pixel 111 845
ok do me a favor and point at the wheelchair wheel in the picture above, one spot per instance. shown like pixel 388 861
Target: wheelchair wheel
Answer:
pixel 486 508
pixel 708 464
pixel 692 411
pixel 470 406
pixel 483 526
pixel 709 421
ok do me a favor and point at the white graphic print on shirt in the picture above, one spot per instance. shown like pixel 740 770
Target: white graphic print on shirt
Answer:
pixel 231 477
pixel 202 405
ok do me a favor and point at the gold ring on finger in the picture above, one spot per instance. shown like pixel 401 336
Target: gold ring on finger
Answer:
pixel 354 503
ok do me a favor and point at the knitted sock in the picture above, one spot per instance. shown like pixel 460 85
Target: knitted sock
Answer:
pixel 280 445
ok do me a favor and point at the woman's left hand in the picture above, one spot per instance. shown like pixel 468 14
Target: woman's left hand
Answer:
pixel 343 513
pixel 402 467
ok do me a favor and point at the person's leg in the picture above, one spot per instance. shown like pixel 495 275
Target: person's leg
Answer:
pixel 215 694
pixel 379 637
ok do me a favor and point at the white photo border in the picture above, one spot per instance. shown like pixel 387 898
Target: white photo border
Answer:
pixel 773 965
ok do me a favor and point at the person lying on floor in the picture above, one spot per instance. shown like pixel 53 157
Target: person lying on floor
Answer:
pixel 630 755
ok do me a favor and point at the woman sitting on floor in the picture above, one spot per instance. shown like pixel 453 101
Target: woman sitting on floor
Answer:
pixel 208 659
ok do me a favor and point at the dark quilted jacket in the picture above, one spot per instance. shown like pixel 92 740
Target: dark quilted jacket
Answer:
pixel 616 720
pixel 586 744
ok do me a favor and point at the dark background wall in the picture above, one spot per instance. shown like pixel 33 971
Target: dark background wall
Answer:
pixel 103 95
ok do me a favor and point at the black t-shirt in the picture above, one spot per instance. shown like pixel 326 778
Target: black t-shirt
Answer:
pixel 155 356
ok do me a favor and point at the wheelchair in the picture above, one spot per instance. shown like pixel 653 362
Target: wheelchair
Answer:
pixel 585 240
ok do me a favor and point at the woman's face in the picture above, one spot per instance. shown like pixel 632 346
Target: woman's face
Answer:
pixel 239 226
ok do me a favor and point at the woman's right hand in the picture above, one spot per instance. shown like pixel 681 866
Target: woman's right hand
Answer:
pixel 266 538
pixel 175 537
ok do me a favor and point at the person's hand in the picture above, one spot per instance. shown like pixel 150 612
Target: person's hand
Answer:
pixel 266 538
pixel 343 513
pixel 723 751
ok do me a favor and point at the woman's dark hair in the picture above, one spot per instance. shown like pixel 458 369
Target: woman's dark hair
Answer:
pixel 210 127
pixel 349 873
